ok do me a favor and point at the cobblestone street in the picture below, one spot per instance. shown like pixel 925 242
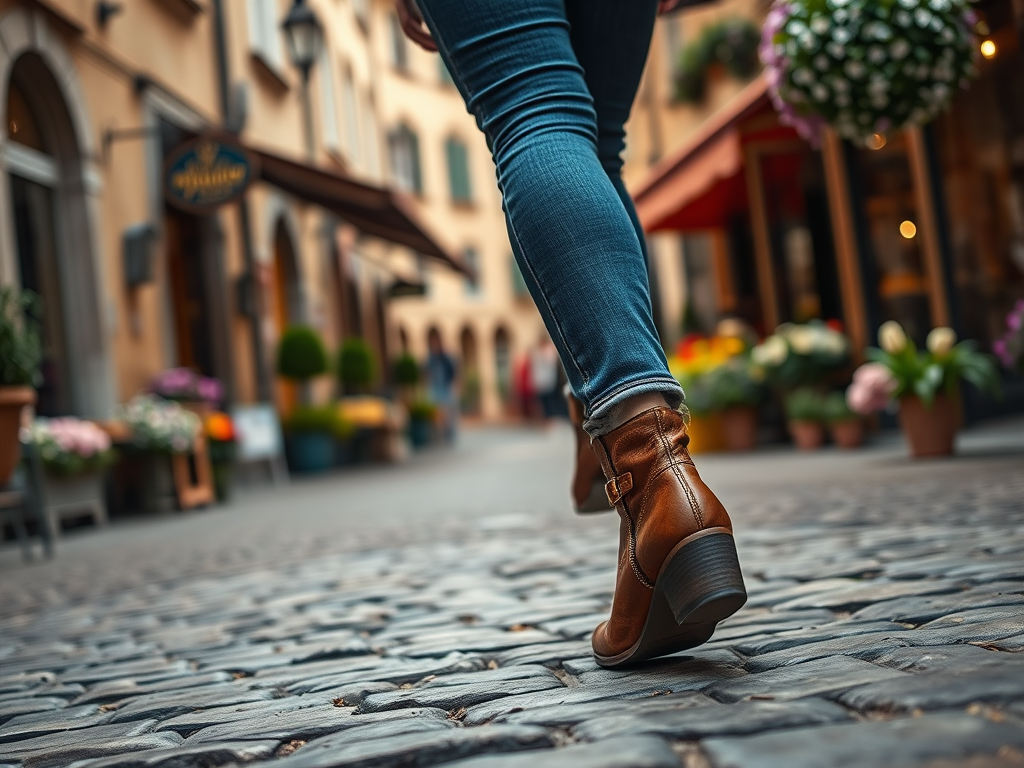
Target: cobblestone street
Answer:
pixel 439 613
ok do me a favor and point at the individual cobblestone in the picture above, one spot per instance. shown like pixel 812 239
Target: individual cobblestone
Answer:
pixel 885 627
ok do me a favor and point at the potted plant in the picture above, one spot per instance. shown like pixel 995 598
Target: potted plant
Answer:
pixel 805 416
pixel 312 432
pixel 356 368
pixel 199 393
pixel 407 374
pixel 1009 348
pixel 421 422
pixel 75 455
pixel 220 439
pixel 301 355
pixel 20 356
pixel 845 425
pixel 159 429
pixel 802 355
pixel 736 391
pixel 925 383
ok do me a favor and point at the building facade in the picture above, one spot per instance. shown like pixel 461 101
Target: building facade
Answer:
pixel 97 98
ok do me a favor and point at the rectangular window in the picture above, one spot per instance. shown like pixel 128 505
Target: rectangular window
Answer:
pixel 399 51
pixel 458 171
pixel 328 105
pixel 350 105
pixel 264 39
pixel 472 260
pixel 404 148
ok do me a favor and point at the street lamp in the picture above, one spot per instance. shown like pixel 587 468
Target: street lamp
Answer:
pixel 305 36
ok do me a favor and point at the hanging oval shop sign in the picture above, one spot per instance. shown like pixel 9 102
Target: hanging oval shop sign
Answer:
pixel 205 173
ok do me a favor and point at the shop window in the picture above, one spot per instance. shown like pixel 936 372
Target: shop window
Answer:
pixel 404 149
pixel 399 47
pixel 458 171
pixel 472 260
pixel 264 38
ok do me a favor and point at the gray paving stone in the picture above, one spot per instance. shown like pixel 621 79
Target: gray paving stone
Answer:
pixel 54 721
pixel 154 668
pixel 786 640
pixel 548 654
pixel 693 723
pixel 195 721
pixel 54 690
pixel 465 690
pixel 165 705
pixel 427 748
pixel 309 723
pixel 631 752
pixel 674 673
pixel 481 640
pixel 213 754
pixel 560 716
pixel 60 749
pixel 1002 684
pixel 897 744
pixel 944 658
pixel 865 647
pixel 115 690
pixel 812 678
pixel 397 671
pixel 9 709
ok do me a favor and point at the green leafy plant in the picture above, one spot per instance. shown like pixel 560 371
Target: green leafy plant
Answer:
pixel 406 371
pixel 731 43
pixel 836 410
pixel 802 354
pixel 356 366
pixel 318 418
pixel 735 384
pixel 301 354
pixel 805 404
pixel 941 366
pixel 422 410
pixel 20 348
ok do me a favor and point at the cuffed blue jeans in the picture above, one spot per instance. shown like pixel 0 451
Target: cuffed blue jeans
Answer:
pixel 551 84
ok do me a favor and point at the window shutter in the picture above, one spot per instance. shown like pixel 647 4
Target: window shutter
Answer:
pixel 414 159
pixel 458 171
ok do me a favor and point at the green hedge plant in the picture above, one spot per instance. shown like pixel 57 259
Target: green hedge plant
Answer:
pixel 21 351
pixel 301 354
pixel 356 366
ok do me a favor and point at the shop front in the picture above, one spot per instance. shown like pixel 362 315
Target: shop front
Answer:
pixel 923 226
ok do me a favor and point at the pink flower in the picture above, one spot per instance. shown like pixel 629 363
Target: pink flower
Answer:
pixel 872 388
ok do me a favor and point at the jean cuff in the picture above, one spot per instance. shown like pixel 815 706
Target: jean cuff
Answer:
pixel 603 416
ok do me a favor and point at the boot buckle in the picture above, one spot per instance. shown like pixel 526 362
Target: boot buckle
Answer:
pixel 618 487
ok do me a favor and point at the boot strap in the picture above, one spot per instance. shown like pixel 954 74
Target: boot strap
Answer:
pixel 618 487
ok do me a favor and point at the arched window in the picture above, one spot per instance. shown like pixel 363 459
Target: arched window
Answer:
pixel 458 171
pixel 404 149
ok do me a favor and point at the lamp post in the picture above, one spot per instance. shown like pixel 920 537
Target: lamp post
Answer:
pixel 304 35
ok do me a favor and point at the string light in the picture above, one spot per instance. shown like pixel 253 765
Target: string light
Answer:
pixel 988 49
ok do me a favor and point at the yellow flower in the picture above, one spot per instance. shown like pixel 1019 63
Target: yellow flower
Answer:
pixel 892 338
pixel 940 341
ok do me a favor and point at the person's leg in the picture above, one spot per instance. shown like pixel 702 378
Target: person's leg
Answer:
pixel 569 227
pixel 612 72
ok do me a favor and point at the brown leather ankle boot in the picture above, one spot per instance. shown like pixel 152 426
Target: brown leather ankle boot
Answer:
pixel 587 479
pixel 678 574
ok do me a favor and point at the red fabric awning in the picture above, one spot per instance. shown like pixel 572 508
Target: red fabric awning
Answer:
pixel 702 184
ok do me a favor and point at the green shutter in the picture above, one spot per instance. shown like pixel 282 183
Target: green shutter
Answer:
pixel 458 171
pixel 414 153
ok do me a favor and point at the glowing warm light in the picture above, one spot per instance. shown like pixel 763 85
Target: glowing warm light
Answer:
pixel 988 49
pixel 877 141
pixel 908 229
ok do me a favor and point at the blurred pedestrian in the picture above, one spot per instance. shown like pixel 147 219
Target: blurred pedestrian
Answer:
pixel 544 372
pixel 551 84
pixel 442 375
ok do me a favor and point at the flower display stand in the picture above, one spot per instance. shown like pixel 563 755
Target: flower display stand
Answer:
pixel 74 496
pixel 193 476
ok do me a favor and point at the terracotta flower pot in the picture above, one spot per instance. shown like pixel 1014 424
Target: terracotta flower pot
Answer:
pixel 12 401
pixel 808 435
pixel 739 426
pixel 706 433
pixel 848 434
pixel 930 431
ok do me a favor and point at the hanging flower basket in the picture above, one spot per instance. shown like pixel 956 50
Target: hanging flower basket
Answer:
pixel 866 66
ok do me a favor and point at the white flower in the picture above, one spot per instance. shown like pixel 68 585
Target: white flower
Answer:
pixel 903 18
pixel 842 100
pixel 841 35
pixel 803 76
pixel 821 63
pixel 940 341
pixel 892 338
pixel 899 49
pixel 876 54
pixel 840 16
pixel 923 17
pixel 802 340
pixel 771 353
pixel 809 41
pixel 840 85
pixel 820 25
pixel 819 92
pixel 855 69
pixel 835 50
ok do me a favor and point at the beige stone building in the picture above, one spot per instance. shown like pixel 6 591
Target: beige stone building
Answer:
pixel 97 97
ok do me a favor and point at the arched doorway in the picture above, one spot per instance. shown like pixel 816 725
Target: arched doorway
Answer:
pixel 285 305
pixel 470 399
pixel 51 239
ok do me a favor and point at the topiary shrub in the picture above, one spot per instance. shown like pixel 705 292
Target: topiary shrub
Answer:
pixel 356 367
pixel 731 43
pixel 301 354
pixel 406 371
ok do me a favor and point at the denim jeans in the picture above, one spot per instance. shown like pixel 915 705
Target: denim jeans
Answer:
pixel 551 84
